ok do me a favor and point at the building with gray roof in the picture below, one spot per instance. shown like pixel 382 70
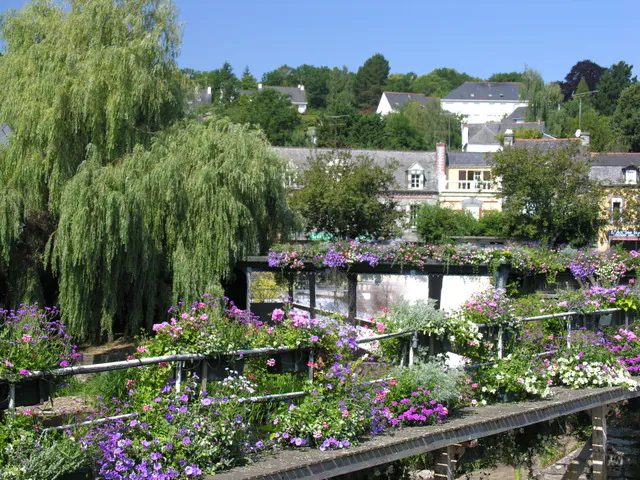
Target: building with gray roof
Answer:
pixel 485 137
pixel 486 91
pixel 392 101
pixel 482 102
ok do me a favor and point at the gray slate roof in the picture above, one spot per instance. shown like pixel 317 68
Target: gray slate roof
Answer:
pixel 546 144
pixel 518 115
pixel 468 159
pixel 5 133
pixel 608 168
pixel 397 99
pixel 299 157
pixel 293 93
pixel 485 133
pixel 486 91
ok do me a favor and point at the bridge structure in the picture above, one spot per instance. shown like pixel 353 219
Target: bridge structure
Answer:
pixel 448 440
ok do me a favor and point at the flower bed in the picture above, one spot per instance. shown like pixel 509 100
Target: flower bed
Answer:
pixel 588 266
pixel 196 430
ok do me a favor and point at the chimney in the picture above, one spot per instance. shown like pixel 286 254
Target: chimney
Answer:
pixel 259 86
pixel 508 138
pixel 208 90
pixel 585 139
pixel 301 87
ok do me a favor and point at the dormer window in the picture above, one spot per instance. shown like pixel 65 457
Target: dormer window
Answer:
pixel 415 177
pixel 631 175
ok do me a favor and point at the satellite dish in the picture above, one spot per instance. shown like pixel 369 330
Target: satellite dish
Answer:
pixel 578 133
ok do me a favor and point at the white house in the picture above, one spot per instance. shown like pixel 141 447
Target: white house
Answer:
pixel 482 102
pixel 391 101
pixel 297 95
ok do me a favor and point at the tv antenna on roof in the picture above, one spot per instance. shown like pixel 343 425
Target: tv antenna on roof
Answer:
pixel 579 96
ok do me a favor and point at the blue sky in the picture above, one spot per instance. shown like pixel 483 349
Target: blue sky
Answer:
pixel 477 37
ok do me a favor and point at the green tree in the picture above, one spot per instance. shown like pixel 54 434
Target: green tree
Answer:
pixel 75 74
pixel 274 114
pixel 506 77
pixel 544 99
pixel 334 126
pixel 626 119
pixel 163 224
pixel 370 81
pixel 590 71
pixel 400 82
pixel 368 131
pixel 131 206
pixel 492 223
pixel 434 124
pixel 316 84
pixel 248 81
pixel 612 83
pixel 348 197
pixel 440 82
pixel 431 85
pixel 401 135
pixel 283 76
pixel 548 195
pixel 437 224
pixel 341 88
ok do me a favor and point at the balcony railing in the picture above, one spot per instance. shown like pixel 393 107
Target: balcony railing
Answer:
pixel 471 185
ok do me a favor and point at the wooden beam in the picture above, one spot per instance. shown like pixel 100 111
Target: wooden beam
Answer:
pixel 352 295
pixel 599 442
pixel 447 461
pixel 312 293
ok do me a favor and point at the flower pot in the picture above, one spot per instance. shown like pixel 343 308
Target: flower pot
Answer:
pixel 32 391
pixel 290 362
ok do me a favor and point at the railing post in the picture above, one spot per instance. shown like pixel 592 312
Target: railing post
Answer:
pixel 500 342
pixel 248 275
pixel 310 365
pixel 569 331
pixel 205 374
pixel 352 295
pixel 412 346
pixel 178 376
pixel 291 278
pixel 502 275
pixel 312 294
pixel 626 320
pixel 599 442
pixel 12 396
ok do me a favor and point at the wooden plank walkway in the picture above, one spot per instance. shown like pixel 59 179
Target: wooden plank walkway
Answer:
pixel 467 424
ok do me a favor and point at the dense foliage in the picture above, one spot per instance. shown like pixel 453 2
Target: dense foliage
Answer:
pixel 548 195
pixel 347 196
pixel 108 199
pixel 170 218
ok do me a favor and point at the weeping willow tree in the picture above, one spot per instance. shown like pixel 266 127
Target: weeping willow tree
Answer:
pixel 110 204
pixel 75 73
pixel 169 218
